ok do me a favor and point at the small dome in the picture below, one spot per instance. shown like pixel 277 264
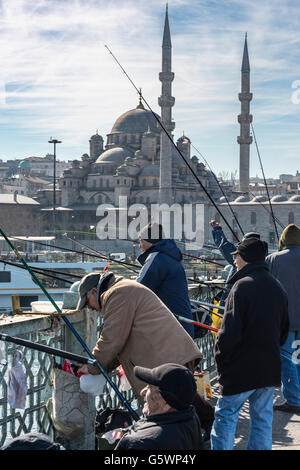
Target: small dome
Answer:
pixel 259 199
pixel 222 199
pixel 115 155
pixel 295 198
pixel 24 164
pixel 278 198
pixel 96 137
pixel 242 199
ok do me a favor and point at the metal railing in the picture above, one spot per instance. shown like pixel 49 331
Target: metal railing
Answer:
pixel 38 367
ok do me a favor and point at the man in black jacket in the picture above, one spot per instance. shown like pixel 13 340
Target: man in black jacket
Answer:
pixel 170 421
pixel 247 352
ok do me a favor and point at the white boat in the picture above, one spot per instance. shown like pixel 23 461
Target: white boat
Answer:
pixel 17 281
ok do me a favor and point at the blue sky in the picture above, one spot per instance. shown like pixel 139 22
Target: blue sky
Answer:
pixel 57 79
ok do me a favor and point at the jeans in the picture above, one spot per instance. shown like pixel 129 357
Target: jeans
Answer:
pixel 227 412
pixel 290 370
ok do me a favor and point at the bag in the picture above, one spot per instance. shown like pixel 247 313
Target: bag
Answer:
pixel 70 409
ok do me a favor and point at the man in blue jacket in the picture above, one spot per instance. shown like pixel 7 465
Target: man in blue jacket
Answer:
pixel 163 273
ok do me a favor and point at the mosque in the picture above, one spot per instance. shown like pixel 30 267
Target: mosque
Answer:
pixel 139 161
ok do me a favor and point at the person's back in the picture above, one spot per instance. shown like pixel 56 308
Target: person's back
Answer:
pixel 164 274
pixel 285 266
pixel 253 359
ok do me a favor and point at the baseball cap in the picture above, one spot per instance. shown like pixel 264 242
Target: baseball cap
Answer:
pixel 86 284
pixel 176 383
pixel 251 250
pixel 32 441
pixel 99 280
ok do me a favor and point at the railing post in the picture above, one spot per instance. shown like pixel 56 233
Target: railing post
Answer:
pixel 87 329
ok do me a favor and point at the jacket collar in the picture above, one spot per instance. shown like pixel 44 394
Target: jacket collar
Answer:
pixel 246 270
pixel 167 418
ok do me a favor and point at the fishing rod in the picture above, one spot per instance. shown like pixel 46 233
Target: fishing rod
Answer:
pixel 265 182
pixel 108 258
pixel 78 337
pixel 47 349
pixel 203 259
pixel 171 140
pixel 96 255
pixel 196 323
pixel 42 271
pixel 220 187
pixel 213 286
pixel 268 211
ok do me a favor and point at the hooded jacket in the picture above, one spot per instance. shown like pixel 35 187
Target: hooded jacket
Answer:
pixel 284 265
pixel 163 273
pixel 254 326
pixel 139 330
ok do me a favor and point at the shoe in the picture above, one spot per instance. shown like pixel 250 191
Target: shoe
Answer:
pixel 287 408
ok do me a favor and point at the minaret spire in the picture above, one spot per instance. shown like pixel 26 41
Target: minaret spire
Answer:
pixel 166 102
pixel 245 119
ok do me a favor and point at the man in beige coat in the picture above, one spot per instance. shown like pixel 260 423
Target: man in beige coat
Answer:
pixel 138 330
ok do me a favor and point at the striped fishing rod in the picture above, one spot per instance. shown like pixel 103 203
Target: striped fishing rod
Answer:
pixel 174 145
pixel 265 182
pixel 221 189
pixel 65 319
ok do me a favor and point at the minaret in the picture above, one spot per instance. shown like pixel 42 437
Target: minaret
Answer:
pixel 245 119
pixel 166 101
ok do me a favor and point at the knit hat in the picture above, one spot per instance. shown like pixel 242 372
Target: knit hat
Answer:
pixel 289 237
pixel 152 233
pixel 251 250
pixel 176 383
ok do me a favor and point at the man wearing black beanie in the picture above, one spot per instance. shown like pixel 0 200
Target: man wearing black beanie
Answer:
pixel 247 352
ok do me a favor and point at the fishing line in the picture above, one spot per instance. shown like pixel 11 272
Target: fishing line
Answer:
pixel 220 187
pixel 171 140
pixel 78 337
pixel 265 182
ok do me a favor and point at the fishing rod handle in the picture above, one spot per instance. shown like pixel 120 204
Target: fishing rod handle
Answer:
pixel 47 349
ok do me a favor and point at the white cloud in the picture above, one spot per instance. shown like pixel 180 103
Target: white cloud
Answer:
pixel 60 80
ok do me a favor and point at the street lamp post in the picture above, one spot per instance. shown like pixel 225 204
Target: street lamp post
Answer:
pixel 54 142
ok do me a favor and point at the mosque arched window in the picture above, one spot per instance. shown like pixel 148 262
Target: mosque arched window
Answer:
pixel 144 182
pixel 291 218
pixel 253 218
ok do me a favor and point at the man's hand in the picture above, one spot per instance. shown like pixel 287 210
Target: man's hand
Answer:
pixel 214 224
pixel 83 369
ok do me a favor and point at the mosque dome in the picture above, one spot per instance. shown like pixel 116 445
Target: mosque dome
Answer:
pixel 242 199
pixel 278 198
pixel 295 198
pixel 24 164
pixel 259 199
pixel 222 199
pixel 96 137
pixel 114 155
pixel 138 120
